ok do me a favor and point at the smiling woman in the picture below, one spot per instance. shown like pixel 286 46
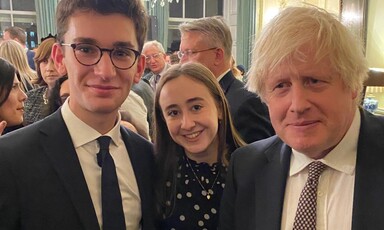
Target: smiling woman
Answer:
pixel 11 98
pixel 194 138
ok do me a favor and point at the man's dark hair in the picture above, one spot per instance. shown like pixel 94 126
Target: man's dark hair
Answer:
pixel 133 9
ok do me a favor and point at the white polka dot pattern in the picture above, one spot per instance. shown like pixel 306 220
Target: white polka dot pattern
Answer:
pixel 305 218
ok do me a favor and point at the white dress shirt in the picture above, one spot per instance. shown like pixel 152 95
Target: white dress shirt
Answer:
pixel 336 184
pixel 86 146
pixel 134 111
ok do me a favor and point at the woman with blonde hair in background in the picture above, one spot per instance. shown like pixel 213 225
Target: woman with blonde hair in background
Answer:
pixel 15 54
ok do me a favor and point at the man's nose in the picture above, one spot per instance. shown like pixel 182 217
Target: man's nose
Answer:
pixel 105 65
pixel 299 99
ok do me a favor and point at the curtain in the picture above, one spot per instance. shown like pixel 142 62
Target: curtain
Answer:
pixel 246 18
pixel 45 16
pixel 162 15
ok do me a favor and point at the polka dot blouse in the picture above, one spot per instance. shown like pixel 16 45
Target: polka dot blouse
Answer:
pixel 192 208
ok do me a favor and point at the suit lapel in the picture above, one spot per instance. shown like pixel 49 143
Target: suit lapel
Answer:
pixel 368 204
pixel 134 156
pixel 59 149
pixel 270 191
pixel 142 160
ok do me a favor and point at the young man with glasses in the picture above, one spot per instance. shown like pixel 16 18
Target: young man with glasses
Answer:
pixel 57 173
pixel 155 59
pixel 208 41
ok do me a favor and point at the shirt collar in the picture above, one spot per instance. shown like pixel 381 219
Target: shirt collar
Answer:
pixel 342 158
pixel 223 74
pixel 162 71
pixel 81 133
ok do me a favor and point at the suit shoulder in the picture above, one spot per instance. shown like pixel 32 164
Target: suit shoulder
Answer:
pixel 238 89
pixel 257 147
pixel 22 136
pixel 135 138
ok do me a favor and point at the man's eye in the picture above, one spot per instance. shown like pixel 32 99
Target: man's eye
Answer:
pixel 281 85
pixel 313 80
pixel 122 53
pixel 86 49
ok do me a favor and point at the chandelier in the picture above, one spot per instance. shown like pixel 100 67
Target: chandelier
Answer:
pixel 162 2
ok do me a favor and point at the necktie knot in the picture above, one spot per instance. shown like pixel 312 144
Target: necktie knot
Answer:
pixel 315 169
pixel 157 78
pixel 104 142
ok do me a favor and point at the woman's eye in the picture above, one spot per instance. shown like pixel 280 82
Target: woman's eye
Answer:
pixel 172 113
pixel 196 107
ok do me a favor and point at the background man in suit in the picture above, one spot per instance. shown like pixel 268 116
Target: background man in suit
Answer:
pixel 155 59
pixel 18 34
pixel 309 70
pixel 49 172
pixel 209 41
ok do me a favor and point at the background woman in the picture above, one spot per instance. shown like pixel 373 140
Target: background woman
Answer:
pixel 15 54
pixel 193 137
pixel 11 98
pixel 37 103
pixel 59 93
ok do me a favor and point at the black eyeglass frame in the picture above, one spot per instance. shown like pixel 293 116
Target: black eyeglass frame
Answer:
pixel 74 45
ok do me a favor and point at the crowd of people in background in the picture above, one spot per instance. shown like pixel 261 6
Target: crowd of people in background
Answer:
pixel 110 131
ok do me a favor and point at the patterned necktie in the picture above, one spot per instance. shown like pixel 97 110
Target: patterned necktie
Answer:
pixel 305 218
pixel 155 81
pixel 111 203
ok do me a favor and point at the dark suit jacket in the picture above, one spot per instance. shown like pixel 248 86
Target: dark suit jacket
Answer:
pixel 249 114
pixel 254 194
pixel 42 185
pixel 30 56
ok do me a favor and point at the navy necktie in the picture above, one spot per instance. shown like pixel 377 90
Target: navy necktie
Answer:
pixel 112 207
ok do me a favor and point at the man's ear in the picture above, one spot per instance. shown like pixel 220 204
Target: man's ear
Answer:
pixel 57 56
pixel 220 56
pixel 139 69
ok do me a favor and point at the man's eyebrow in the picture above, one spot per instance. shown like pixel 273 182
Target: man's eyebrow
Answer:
pixel 124 44
pixel 94 42
pixel 85 40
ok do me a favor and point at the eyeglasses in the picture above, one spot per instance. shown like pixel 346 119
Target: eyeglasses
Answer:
pixel 87 54
pixel 155 56
pixel 188 53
